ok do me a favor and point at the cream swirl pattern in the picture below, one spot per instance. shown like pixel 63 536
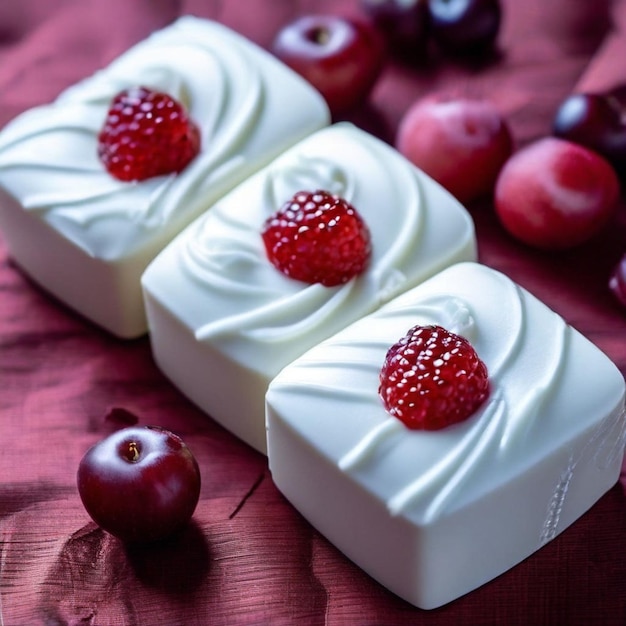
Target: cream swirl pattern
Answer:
pixel 483 494
pixel 498 426
pixel 234 307
pixel 75 189
pixel 300 312
pixel 233 90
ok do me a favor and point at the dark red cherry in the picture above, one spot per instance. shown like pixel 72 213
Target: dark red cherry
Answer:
pixel 596 121
pixel 465 26
pixel 140 484
pixel 342 58
pixel 405 23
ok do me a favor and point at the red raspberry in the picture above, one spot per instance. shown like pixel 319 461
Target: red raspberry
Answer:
pixel 432 378
pixel 146 133
pixel 318 237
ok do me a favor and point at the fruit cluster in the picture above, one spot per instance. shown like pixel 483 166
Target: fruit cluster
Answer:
pixel 598 122
pixel 343 57
pixel 553 194
pixel 457 27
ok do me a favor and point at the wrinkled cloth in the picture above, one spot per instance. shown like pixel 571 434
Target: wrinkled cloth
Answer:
pixel 249 557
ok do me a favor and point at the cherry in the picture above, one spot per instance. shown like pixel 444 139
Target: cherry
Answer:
pixel 342 58
pixel 460 142
pixel 465 26
pixel 405 23
pixel 597 121
pixel 140 483
pixel 555 194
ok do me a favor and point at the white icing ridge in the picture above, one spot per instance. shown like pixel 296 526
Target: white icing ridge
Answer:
pixel 525 365
pixel 232 262
pixel 48 158
pixel 214 290
pixel 434 514
pixel 87 237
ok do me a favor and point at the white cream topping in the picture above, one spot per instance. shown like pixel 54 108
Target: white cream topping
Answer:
pixel 249 302
pixel 529 352
pixel 48 157
pixel 314 304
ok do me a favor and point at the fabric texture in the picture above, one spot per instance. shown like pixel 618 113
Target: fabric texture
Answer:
pixel 249 557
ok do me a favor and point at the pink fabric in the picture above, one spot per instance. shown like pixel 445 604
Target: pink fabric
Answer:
pixel 249 558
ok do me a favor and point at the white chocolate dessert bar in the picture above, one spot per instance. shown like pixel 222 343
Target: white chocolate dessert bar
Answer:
pixel 224 321
pixel 87 237
pixel 433 515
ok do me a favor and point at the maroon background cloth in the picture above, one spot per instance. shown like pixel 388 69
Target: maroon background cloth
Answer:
pixel 248 557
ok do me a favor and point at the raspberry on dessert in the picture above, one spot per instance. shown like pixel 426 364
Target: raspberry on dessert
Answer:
pixel 146 133
pixel 318 237
pixel 432 378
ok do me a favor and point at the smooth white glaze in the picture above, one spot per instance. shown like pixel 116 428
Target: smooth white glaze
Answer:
pixel 249 108
pixel 216 305
pixel 433 515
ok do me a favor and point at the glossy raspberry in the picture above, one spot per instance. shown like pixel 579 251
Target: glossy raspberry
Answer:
pixel 317 237
pixel 146 133
pixel 432 378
